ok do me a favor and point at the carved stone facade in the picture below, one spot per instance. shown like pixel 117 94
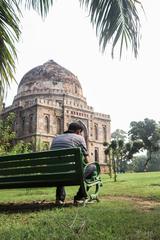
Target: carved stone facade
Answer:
pixel 50 97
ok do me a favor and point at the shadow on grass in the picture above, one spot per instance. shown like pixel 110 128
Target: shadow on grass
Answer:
pixel 121 181
pixel 30 207
pixel 155 185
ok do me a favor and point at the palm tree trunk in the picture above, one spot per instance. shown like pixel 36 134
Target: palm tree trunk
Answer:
pixel 114 168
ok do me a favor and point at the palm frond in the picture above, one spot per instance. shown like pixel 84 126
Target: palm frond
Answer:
pixel 115 20
pixel 40 6
pixel 9 34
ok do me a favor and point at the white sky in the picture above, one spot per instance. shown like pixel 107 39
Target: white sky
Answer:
pixel 128 90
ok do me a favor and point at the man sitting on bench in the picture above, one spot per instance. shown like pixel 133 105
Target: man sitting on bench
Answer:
pixel 69 139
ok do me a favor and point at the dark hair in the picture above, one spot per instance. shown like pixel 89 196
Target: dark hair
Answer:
pixel 74 126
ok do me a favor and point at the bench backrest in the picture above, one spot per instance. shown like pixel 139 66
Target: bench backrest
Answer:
pixel 41 169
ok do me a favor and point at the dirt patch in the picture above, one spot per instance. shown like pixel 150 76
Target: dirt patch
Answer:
pixel 143 204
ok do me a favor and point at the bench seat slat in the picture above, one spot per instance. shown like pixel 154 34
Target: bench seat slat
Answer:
pixel 37 161
pixel 38 169
pixel 61 153
pixel 67 179
pixel 35 184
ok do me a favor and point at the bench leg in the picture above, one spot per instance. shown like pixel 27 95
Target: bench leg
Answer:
pixel 93 191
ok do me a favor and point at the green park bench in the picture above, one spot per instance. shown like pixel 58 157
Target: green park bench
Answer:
pixel 48 169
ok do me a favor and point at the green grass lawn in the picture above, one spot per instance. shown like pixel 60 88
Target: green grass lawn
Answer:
pixel 146 185
pixel 129 210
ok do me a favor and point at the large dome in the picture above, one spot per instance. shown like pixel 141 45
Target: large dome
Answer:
pixel 48 79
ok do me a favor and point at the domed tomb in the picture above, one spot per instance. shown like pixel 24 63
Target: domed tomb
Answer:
pixel 47 80
pixel 49 98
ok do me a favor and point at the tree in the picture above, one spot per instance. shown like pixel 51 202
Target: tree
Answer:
pixel 119 134
pixel 111 152
pixel 114 21
pixel 8 143
pixel 148 131
pixel 154 165
pixel 131 148
pixel 119 153
pixel 120 156
pixel 125 152
pixel 7 135
pixel 114 151
pixel 21 147
pixel 138 162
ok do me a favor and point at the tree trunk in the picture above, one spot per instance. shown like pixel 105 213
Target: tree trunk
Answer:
pixel 114 169
pixel 148 159
pixel 110 167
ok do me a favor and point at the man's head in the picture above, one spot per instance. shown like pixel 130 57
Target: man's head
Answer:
pixel 75 127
